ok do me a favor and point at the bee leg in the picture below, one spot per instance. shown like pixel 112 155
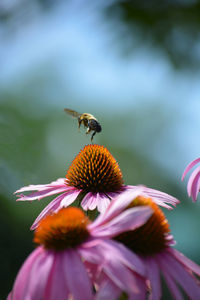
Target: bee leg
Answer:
pixel 93 135
pixel 88 130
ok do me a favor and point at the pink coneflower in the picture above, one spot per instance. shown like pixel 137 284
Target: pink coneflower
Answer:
pixel 71 249
pixel 94 178
pixel 152 243
pixel 193 185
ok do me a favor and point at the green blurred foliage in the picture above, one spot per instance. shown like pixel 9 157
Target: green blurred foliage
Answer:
pixel 170 26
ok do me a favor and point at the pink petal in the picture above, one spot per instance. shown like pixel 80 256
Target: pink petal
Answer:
pixel 108 290
pixel 194 184
pixel 69 197
pixel 116 206
pixel 142 288
pixel 185 261
pixel 39 275
pixel 180 274
pixel 39 187
pixel 128 220
pixel 51 207
pixel 160 198
pixel 42 194
pixel 122 254
pixel 120 275
pixel 24 274
pixel 76 276
pixel 172 286
pixel 10 297
pixel 189 167
pixel 154 277
pixel 95 200
pixel 89 202
pixel 101 251
pixel 102 202
pixel 32 276
pixel 56 287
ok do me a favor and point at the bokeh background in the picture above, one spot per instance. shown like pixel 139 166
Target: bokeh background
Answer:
pixel 134 65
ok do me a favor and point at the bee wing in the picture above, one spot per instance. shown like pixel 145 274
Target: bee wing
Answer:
pixel 72 113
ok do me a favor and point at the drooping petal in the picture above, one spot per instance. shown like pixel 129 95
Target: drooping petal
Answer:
pixel 76 276
pixel 193 185
pixel 120 275
pixel 69 197
pixel 44 190
pixel 39 187
pixel 108 290
pixel 39 274
pixel 51 207
pixel 172 285
pixel 9 296
pixel 189 167
pixel 116 206
pixel 123 254
pixel 26 279
pixel 23 275
pixel 41 194
pixel 128 220
pixel 160 198
pixel 102 202
pixel 89 202
pixel 95 200
pixel 154 277
pixel 185 261
pixel 180 274
pixel 97 253
pixel 56 287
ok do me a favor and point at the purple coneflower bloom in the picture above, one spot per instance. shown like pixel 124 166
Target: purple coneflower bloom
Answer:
pixel 193 185
pixel 71 249
pixel 153 243
pixel 95 178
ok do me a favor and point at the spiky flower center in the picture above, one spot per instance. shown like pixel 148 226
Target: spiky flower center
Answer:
pixel 62 230
pixel 150 238
pixel 94 169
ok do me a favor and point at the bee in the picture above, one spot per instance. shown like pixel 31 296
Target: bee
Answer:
pixel 88 120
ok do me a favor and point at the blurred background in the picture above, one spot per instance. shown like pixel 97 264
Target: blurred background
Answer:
pixel 134 65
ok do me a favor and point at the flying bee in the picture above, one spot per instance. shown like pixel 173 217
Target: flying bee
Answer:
pixel 88 120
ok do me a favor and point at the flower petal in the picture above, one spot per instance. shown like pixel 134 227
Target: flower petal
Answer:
pixel 154 277
pixel 129 219
pixel 160 198
pixel 89 202
pixel 120 275
pixel 102 202
pixel 180 274
pixel 194 184
pixel 26 279
pixel 185 261
pixel 56 286
pixel 76 276
pixel 18 291
pixel 43 193
pixel 39 187
pixel 122 254
pixel 189 167
pixel 172 285
pixel 116 206
pixel 51 207
pixel 108 290
pixel 39 275
pixel 69 197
